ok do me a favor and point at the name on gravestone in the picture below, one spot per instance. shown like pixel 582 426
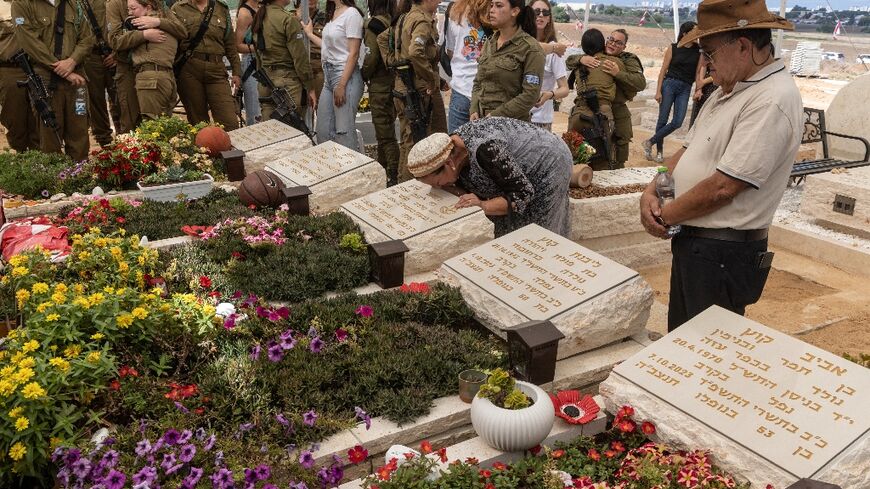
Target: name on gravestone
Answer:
pixel 407 210
pixel 263 134
pixel 538 273
pixel 792 404
pixel 318 164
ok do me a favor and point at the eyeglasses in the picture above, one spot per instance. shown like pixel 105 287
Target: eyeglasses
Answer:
pixel 709 56
pixel 615 41
pixel 542 12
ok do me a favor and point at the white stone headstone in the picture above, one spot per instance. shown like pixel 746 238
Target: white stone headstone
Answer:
pixel 851 188
pixel 609 215
pixel 333 173
pixel 424 218
pixel 535 274
pixel 847 114
pixel 624 176
pixel 772 408
pixel 256 136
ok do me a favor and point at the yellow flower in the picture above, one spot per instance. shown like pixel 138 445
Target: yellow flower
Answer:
pixel 208 310
pixel 109 290
pixel 100 242
pixel 72 351
pixel 17 357
pixel 28 362
pixel 96 298
pixel 7 371
pixel 60 363
pixel 141 259
pixel 39 288
pixel 165 307
pixel 52 317
pixel 123 267
pixel 42 307
pixel 30 346
pixel 17 260
pixel 139 313
pixel 61 287
pixel 12 334
pixel 94 357
pixel 20 271
pixel 97 336
pixel 22 295
pixel 116 252
pixel 83 302
pixel 7 387
pixel 21 424
pixel 58 298
pixel 18 451
pixel 23 375
pixel 124 321
pixel 16 412
pixel 84 255
pixel 79 289
pixel 32 391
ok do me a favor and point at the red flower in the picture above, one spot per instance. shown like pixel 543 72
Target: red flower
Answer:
pixel 214 293
pixel 558 453
pixel 648 428
pixel 120 220
pixel 409 455
pixel 472 461
pixel 425 446
pixel 496 465
pixel 199 410
pixel 626 425
pixel 115 385
pixel 609 453
pixel 238 256
pixel 442 454
pixel 593 454
pixel 625 412
pixel 769 486
pixel 415 288
pixel 205 282
pixel 489 485
pixel 127 371
pixel 618 446
pixel 574 409
pixel 535 449
pixel 357 454
pixel 486 474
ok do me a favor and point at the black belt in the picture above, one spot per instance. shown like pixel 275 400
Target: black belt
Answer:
pixel 211 58
pixel 725 234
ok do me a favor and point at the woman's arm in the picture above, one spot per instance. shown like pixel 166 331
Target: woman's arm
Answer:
pixel 243 22
pixel 517 190
pixel 666 62
pixel 353 45
pixel 309 32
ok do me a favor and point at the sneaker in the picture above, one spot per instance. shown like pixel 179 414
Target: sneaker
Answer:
pixel 647 149
pixel 660 158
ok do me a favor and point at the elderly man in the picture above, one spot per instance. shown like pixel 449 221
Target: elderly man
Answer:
pixel 732 172
pixel 628 82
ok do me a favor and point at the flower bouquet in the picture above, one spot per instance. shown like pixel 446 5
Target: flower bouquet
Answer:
pixel 581 152
pixel 125 161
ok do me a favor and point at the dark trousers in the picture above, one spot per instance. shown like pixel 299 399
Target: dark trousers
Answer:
pixel 705 272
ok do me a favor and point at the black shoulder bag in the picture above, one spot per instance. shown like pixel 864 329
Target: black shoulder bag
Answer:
pixel 203 26
pixel 442 50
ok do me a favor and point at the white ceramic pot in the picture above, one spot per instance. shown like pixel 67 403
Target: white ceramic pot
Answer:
pixel 511 430
pixel 172 192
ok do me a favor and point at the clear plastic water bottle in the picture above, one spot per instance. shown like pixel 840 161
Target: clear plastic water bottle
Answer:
pixel 81 101
pixel 665 191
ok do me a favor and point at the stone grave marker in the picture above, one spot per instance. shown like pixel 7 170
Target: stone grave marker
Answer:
pixel 535 274
pixel 610 215
pixel 424 218
pixel 623 176
pixel 334 174
pixel 267 141
pixel 772 408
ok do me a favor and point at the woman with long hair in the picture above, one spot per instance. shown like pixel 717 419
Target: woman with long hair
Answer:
pixel 245 44
pixel 511 65
pixel 342 81
pixel 466 30
pixel 674 87
pixel 281 53
pixel 554 85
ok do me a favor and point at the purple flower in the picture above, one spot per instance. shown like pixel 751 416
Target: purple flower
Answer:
pixel 81 468
pixel 186 435
pixel 187 453
pixel 181 407
pixel 330 476
pixel 365 311
pixel 46 194
pixel 168 461
pixel 115 480
pixel 200 434
pixel 110 459
pixel 219 458
pixel 209 443
pixel 298 485
pixel 316 345
pixel 193 478
pixel 287 343
pixel 363 416
pixel 222 479
pixel 255 352
pixel 273 316
pixel 236 295
pixel 340 335
pixel 245 427
pixel 250 476
pixel 263 472
pixel 72 456
pixel 262 312
pixel 282 419
pixel 276 353
pixel 250 301
pixel 309 418
pixel 171 437
pixel 306 459
pixel 230 321
pixel 145 476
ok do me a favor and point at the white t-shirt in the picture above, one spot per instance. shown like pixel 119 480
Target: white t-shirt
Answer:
pixel 554 68
pixel 333 49
pixel 466 43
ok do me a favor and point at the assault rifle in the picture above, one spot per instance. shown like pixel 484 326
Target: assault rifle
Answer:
pixel 39 96
pixel 285 107
pixel 417 116
pixel 102 46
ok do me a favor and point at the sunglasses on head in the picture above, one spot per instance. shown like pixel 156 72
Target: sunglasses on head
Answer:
pixel 542 12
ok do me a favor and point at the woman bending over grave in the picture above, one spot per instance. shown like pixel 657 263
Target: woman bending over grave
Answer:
pixel 516 172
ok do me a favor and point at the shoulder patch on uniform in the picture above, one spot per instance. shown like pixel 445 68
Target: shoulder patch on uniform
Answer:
pixel 532 79
pixel 420 41
pixel 19 20
pixel 299 36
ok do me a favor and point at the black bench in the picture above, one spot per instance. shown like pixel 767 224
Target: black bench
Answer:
pixel 815 132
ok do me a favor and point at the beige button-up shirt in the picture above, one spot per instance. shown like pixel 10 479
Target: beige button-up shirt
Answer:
pixel 751 134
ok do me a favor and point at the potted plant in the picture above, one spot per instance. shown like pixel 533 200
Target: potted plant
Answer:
pixel 125 161
pixel 176 183
pixel 581 152
pixel 511 415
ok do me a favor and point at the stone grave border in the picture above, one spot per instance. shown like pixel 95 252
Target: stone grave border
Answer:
pixel 319 182
pixel 821 248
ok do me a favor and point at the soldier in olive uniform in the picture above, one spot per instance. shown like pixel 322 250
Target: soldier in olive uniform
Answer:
pixel 60 66
pixel 381 81
pixel 21 129
pixel 98 69
pixel 318 21
pixel 511 64
pixel 152 62
pixel 281 52
pixel 418 44
pixel 202 80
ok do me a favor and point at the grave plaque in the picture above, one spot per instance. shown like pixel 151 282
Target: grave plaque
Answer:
pixel 424 218
pixel 790 406
pixel 533 274
pixel 623 176
pixel 249 138
pixel 609 215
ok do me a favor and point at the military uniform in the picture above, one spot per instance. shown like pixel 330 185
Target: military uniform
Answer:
pixel 508 80
pixel 155 81
pixel 603 84
pixel 319 21
pixel 99 83
pixel 628 82
pixel 22 131
pixel 381 81
pixel 35 33
pixel 202 81
pixel 281 52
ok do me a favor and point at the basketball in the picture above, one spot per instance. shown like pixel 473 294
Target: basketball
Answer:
pixel 262 189
pixel 214 139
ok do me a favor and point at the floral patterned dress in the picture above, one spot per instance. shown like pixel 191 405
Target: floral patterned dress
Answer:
pixel 528 166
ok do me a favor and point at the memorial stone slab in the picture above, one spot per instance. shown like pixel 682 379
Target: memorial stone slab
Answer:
pixel 841 199
pixel 609 215
pixel 772 408
pixel 334 174
pixel 533 274
pixel 266 142
pixel 424 218
pixel 624 176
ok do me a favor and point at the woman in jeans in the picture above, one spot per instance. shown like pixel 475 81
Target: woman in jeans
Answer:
pixel 467 29
pixel 673 91
pixel 554 85
pixel 342 80
pixel 245 41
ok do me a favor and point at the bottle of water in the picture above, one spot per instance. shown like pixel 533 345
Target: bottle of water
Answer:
pixel 665 191
pixel 81 101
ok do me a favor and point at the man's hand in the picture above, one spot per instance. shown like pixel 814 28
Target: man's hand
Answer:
pixel 468 200
pixel 237 82
pixel 697 95
pixel 312 100
pixel 444 85
pixel 109 61
pixel 610 67
pixel 64 67
pixel 76 80
pixel 143 23
pixel 154 35
pixel 590 62
pixel 649 212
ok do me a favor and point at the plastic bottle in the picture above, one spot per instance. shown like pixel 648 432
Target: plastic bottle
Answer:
pixel 665 191
pixel 81 101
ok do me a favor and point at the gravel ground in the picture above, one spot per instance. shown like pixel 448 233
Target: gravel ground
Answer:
pixel 789 213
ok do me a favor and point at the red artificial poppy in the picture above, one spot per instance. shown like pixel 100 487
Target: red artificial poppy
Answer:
pixel 442 454
pixel 593 454
pixel 626 425
pixel 496 465
pixel 205 282
pixel 648 428
pixel 357 454
pixel 574 409
pixel 196 231
pixel 425 446
pixel 486 474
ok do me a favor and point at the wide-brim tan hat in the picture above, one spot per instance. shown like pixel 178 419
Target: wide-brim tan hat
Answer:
pixel 429 154
pixel 716 16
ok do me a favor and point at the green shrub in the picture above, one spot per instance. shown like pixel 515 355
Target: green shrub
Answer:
pixel 37 175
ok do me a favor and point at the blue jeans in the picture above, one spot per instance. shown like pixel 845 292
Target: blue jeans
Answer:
pixel 251 97
pixel 457 114
pixel 674 93
pixel 339 123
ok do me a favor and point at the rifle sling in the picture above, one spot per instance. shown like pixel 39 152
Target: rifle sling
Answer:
pixel 194 43
pixel 59 22
pixel 95 25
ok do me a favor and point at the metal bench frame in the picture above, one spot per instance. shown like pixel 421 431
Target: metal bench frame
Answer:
pixel 815 132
